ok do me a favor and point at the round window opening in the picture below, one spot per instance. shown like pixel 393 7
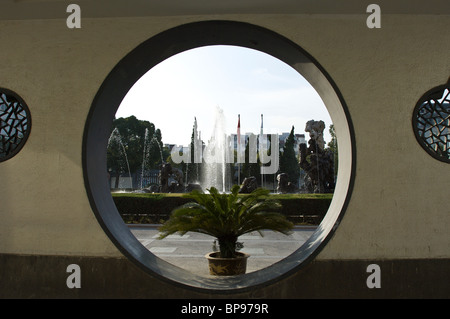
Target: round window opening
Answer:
pixel 219 147
pixel 431 122
pixel 15 124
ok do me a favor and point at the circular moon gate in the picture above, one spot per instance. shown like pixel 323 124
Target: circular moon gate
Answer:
pixel 155 50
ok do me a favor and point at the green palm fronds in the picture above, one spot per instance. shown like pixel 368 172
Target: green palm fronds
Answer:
pixel 227 216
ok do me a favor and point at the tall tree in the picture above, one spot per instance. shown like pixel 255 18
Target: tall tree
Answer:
pixel 193 168
pixel 288 161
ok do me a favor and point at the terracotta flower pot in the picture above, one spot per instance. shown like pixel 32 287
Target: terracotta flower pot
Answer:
pixel 227 266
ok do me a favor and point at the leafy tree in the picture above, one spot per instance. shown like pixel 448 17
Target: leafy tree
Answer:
pixel 156 152
pixel 132 137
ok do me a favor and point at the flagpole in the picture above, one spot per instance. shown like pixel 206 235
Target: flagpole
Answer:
pixel 239 148
pixel 261 151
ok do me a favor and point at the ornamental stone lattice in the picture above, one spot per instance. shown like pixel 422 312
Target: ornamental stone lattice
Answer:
pixel 15 124
pixel 431 122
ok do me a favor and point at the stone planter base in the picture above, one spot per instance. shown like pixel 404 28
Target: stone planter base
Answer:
pixel 227 266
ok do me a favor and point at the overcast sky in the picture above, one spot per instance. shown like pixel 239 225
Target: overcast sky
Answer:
pixel 237 80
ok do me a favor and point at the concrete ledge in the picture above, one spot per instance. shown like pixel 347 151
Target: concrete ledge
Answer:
pixel 37 276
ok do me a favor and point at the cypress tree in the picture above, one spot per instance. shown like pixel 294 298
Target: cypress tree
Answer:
pixel 288 161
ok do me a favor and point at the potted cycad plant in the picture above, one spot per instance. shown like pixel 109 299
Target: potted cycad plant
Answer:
pixel 226 217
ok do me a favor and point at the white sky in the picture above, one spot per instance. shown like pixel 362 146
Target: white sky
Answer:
pixel 238 80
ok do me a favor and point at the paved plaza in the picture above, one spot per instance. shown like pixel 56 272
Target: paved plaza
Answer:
pixel 188 251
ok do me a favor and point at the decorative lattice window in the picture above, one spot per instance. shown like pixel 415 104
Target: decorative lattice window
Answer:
pixel 431 122
pixel 15 124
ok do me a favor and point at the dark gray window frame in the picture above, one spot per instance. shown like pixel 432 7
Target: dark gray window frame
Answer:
pixel 114 88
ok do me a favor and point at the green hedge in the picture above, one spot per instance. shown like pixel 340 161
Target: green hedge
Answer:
pixel 156 208
pixel 147 208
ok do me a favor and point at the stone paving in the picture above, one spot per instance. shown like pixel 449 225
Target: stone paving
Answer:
pixel 188 251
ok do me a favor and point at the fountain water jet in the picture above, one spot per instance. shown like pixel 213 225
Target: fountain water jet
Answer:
pixel 146 152
pixel 144 156
pixel 215 171
pixel 115 137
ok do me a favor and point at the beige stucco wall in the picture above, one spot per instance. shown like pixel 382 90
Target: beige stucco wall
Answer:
pixel 398 206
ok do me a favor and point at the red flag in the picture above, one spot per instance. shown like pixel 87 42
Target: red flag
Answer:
pixel 239 130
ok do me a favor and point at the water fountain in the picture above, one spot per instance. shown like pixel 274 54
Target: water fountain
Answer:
pixel 144 155
pixel 211 166
pixel 115 138
pixel 215 169
pixel 148 143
